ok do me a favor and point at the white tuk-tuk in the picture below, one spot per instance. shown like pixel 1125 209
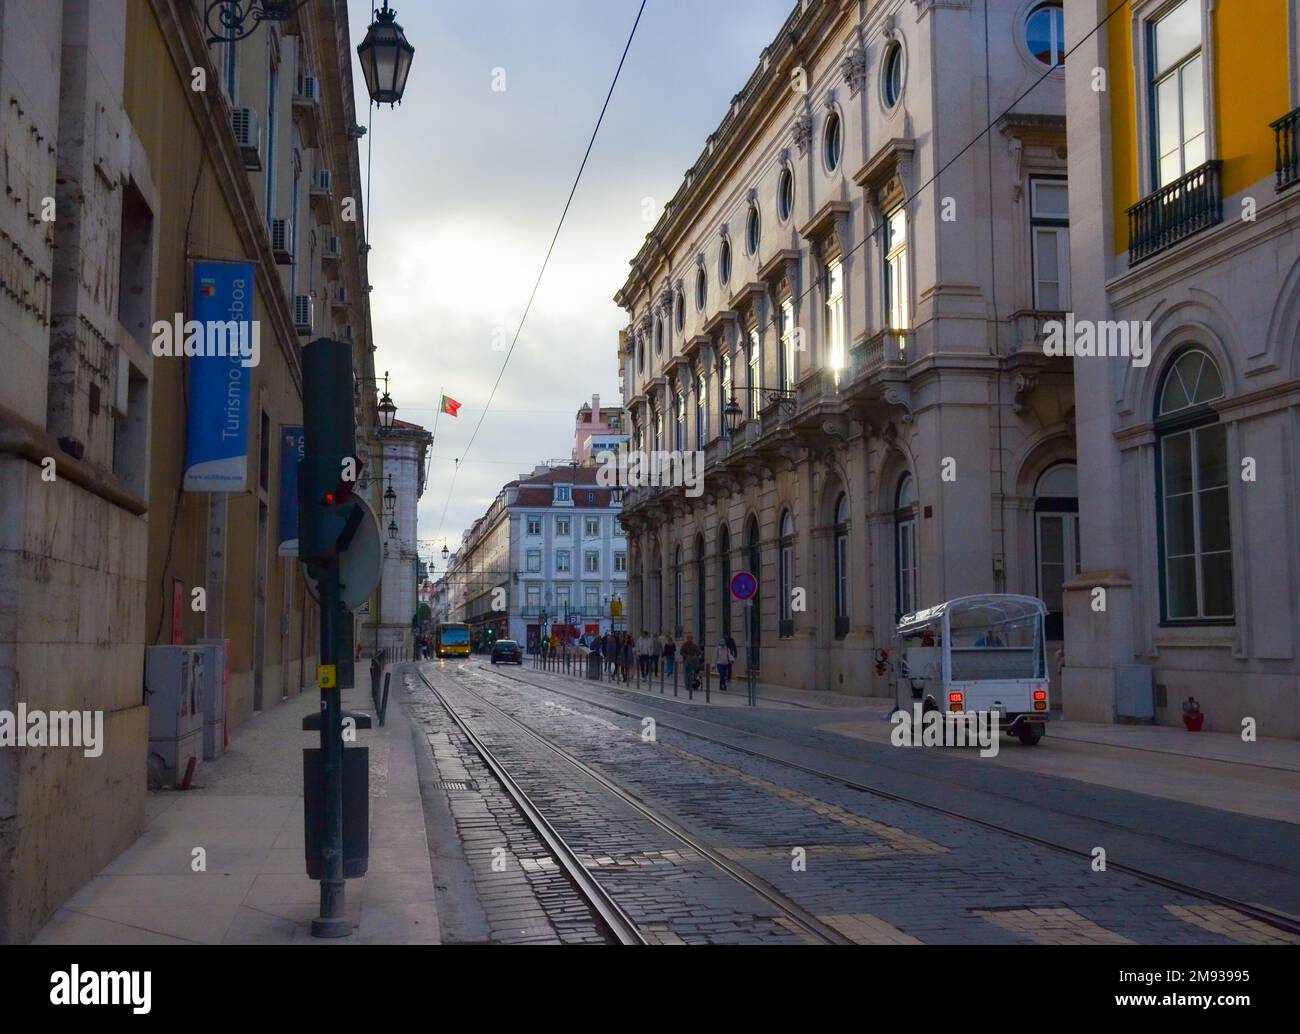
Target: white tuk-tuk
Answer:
pixel 976 654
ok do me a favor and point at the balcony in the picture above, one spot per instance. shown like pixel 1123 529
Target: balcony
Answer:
pixel 1173 213
pixel 1287 129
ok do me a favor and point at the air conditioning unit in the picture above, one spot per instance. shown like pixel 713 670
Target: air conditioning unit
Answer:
pixel 174 677
pixel 324 181
pixel 303 316
pixel 310 88
pixel 282 241
pixel 247 135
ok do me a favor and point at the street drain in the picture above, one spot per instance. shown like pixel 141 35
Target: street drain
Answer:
pixel 457 784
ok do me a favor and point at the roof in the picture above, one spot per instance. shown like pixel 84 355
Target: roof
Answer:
pixel 987 608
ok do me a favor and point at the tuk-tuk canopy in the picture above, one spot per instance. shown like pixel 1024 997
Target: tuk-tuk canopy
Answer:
pixel 986 610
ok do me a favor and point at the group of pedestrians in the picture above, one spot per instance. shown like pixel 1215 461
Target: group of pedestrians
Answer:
pixel 620 650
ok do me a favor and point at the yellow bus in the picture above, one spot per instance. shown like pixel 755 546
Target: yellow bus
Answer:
pixel 451 640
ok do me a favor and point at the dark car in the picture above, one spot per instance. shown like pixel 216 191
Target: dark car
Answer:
pixel 506 651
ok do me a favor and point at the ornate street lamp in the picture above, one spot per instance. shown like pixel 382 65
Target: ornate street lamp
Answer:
pixel 387 410
pixel 392 529
pixel 229 21
pixel 733 415
pixel 385 58
pixel 390 497
pixel 445 551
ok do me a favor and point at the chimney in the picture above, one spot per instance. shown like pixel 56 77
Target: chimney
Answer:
pixel 595 408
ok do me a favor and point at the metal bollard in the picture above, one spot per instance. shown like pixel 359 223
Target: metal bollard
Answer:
pixel 674 680
pixel 707 670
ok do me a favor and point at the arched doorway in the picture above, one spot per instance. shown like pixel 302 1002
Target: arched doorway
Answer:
pixel 701 589
pixel 1056 540
pixel 724 578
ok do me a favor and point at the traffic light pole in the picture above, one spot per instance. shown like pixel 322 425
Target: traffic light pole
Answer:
pixel 333 888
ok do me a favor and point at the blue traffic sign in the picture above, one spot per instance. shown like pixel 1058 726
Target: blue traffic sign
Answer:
pixel 744 585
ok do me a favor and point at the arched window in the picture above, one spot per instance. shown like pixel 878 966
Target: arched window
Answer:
pixel 659 335
pixel 785 575
pixel 724 577
pixel 906 566
pixel 640 354
pixel 753 230
pixel 701 589
pixel 1056 540
pixel 755 611
pixel 724 262
pixel 679 433
pixel 892 75
pixel 679 578
pixel 681 312
pixel 832 141
pixel 1192 475
pixel 1045 33
pixel 841 567
pixel 785 194
pixel 701 289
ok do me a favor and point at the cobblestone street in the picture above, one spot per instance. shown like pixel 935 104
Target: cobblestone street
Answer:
pixel 700 837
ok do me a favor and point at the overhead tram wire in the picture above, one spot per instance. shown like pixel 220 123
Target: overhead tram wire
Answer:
pixel 545 261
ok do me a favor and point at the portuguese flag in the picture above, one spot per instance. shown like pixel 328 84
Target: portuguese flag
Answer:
pixel 449 405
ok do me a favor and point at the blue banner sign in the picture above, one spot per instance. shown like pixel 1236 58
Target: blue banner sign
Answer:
pixel 216 441
pixel 293 447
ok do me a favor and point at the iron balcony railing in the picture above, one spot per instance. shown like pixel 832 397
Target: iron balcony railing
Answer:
pixel 1287 129
pixel 1175 212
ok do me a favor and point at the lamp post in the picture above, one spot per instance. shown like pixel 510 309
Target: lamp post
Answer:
pixel 385 58
pixel 734 416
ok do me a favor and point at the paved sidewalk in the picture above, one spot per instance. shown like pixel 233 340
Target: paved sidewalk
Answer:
pixel 246 812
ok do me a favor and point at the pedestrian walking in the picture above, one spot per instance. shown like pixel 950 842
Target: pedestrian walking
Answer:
pixel 691 655
pixel 670 655
pixel 724 655
pixel 656 650
pixel 643 650
pixel 629 651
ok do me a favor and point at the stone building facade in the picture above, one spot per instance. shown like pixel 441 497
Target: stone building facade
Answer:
pixel 134 150
pixel 406 449
pixel 867 272
pixel 1185 203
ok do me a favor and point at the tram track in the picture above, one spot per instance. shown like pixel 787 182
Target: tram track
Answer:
pixel 611 915
pixel 1261 913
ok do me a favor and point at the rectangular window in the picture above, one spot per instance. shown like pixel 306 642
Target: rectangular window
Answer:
pixel 591 600
pixel 563 493
pixel 659 430
pixel 681 422
pixel 534 524
pixel 788 336
pixel 905 546
pixel 562 600
pixel 1198 550
pixel 591 527
pixel 591 561
pixel 835 330
pixel 755 373
pixel 724 396
pixel 562 560
pixel 534 561
pixel 784 574
pixel 1049 214
pixel 1177 92
pixel 562 527
pixel 897 293
pixel 620 562
pixel 701 412
pixel 533 597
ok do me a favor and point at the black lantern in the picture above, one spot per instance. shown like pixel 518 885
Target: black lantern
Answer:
pixel 392 529
pixel 733 414
pixel 387 411
pixel 445 551
pixel 385 58
pixel 390 500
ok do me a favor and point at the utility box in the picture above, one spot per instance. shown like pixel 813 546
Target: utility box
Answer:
pixel 216 653
pixel 174 677
pixel 1135 693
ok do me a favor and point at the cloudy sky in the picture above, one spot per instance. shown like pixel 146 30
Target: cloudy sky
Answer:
pixel 468 184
